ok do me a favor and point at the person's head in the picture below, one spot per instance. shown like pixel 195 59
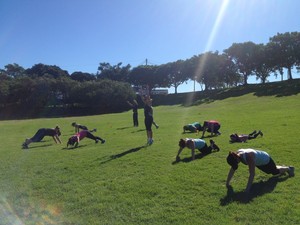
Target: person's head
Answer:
pixel 233 137
pixel 57 129
pixel 232 160
pixel 182 143
pixel 74 124
pixel 185 127
pixel 71 141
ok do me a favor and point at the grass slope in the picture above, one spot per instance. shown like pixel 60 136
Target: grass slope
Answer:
pixel 124 182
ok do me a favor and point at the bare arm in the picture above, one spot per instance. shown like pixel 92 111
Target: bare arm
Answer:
pixel 129 104
pixel 54 138
pixel 57 139
pixel 251 164
pixel 229 177
pixel 178 153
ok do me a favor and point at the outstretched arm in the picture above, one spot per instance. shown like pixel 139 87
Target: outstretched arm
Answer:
pixel 57 139
pixel 129 103
pixel 178 153
pixel 251 165
pixel 229 177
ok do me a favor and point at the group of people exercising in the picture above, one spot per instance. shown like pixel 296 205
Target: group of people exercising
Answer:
pixel 251 157
pixel 81 132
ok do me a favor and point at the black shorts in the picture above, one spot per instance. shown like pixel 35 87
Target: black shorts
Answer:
pixel 148 123
pixel 269 168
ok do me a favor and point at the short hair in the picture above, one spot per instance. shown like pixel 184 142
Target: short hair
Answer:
pixel 73 124
pixel 182 143
pixel 57 128
pixel 232 161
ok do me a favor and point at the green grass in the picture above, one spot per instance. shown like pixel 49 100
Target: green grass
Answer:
pixel 123 182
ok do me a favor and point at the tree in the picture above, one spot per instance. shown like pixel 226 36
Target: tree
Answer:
pixel 81 77
pixel 145 75
pixel 285 50
pixel 243 55
pixel 172 74
pixel 13 70
pixel 41 70
pixel 263 62
pixel 116 72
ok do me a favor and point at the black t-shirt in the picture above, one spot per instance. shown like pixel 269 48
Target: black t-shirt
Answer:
pixel 50 132
pixel 135 109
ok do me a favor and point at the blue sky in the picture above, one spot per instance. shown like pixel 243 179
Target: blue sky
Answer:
pixel 77 35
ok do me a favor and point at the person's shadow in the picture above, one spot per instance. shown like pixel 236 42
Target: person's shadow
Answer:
pixel 129 151
pixel 257 189
pixel 189 159
pixel 73 147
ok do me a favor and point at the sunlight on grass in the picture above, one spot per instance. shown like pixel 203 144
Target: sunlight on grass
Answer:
pixel 125 182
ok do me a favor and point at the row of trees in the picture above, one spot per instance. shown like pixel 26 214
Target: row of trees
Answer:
pixel 45 85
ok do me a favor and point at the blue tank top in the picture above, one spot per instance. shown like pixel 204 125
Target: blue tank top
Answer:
pixel 199 143
pixel 261 157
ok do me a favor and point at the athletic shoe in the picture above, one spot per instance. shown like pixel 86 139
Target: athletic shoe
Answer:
pixel 150 142
pixel 261 133
pixel 291 171
pixel 216 147
pixel 103 141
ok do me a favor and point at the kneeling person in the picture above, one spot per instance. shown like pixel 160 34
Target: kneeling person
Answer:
pixel 192 127
pixel 211 126
pixel 193 144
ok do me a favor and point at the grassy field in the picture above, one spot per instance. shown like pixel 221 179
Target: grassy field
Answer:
pixel 124 182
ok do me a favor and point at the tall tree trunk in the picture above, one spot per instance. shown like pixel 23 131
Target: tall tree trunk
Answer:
pixel 175 86
pixel 245 79
pixel 290 74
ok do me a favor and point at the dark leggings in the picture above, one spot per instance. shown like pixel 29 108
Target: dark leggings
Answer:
pixel 269 168
pixel 206 149
pixel 93 137
pixel 135 119
pixel 148 123
pixel 253 135
pixel 40 134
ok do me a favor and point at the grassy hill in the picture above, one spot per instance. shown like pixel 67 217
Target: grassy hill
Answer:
pixel 124 182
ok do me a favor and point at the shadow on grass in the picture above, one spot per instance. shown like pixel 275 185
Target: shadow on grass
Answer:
pixel 73 148
pixel 189 159
pixel 123 128
pixel 116 156
pixel 140 130
pixel 40 146
pixel 257 189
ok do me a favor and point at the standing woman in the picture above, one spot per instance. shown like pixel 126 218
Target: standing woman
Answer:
pixel 148 112
pixel 134 107
pixel 41 133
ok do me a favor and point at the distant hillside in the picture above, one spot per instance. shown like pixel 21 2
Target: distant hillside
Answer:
pixel 278 89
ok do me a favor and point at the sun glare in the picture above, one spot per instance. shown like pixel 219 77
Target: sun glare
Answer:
pixel 212 36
